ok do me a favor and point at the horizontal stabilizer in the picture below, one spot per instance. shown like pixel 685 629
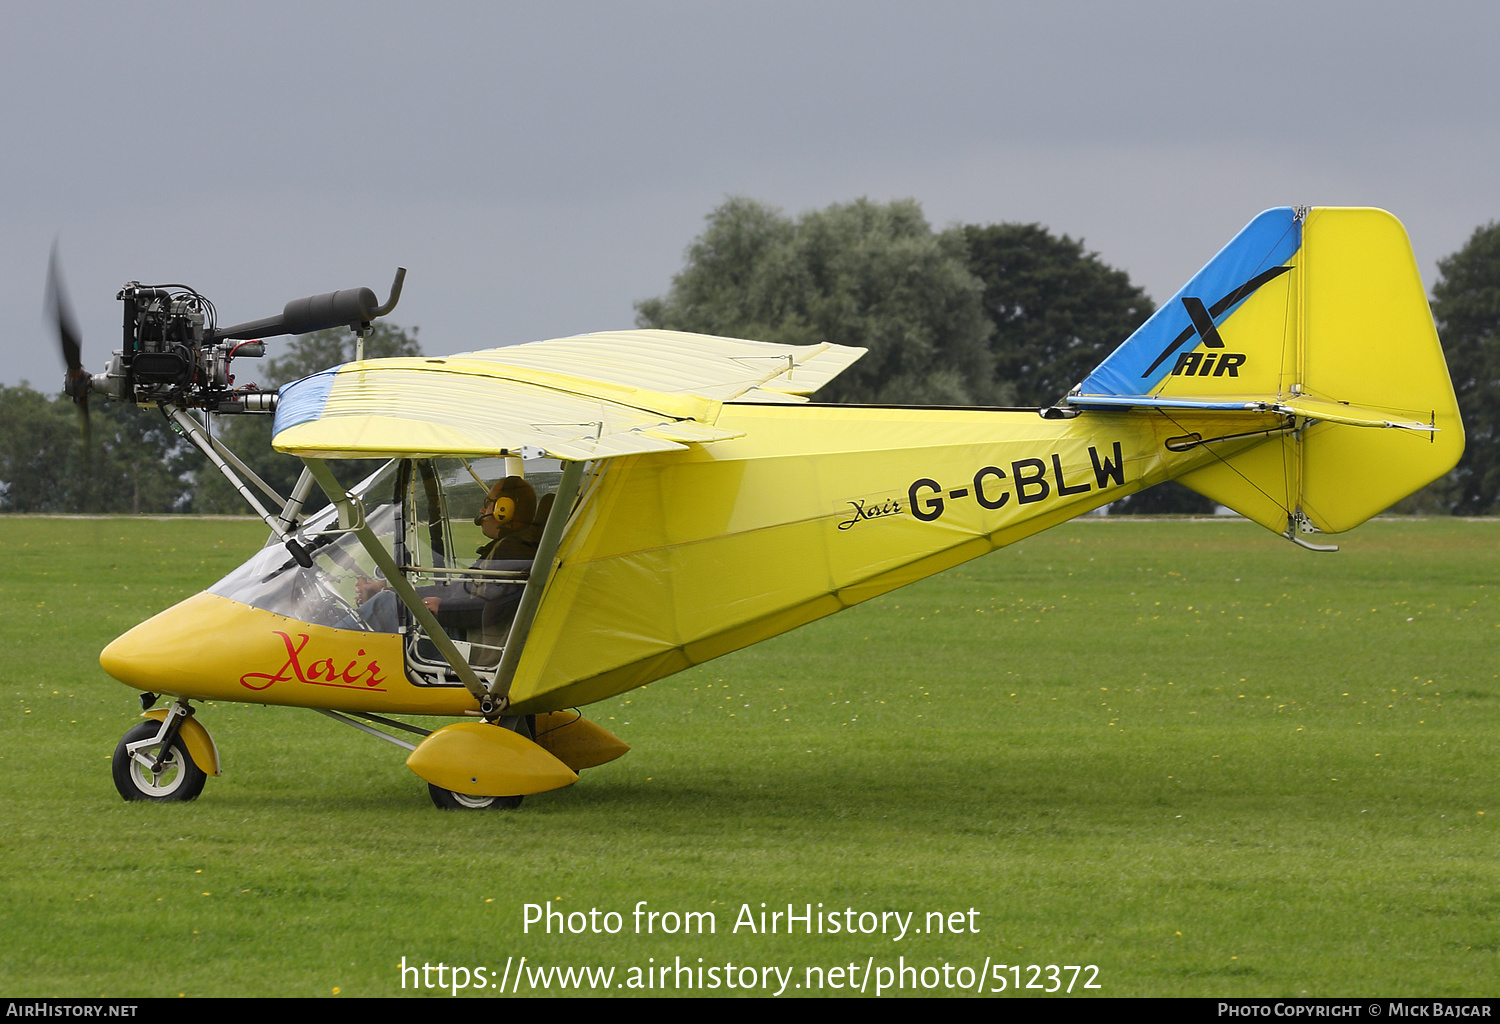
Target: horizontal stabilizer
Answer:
pixel 1301 406
pixel 1328 411
pixel 1241 404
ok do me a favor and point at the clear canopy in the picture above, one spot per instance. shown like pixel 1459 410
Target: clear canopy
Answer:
pixel 328 594
pixel 427 514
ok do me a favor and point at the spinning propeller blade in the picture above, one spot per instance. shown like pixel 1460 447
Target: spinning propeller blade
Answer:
pixel 77 382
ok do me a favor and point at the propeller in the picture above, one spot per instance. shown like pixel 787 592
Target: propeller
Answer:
pixel 78 382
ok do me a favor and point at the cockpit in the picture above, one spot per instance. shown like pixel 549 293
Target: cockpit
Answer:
pixel 464 531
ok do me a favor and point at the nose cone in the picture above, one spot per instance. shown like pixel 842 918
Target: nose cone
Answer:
pixel 214 648
pixel 175 652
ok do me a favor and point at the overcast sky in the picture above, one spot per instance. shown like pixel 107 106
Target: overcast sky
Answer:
pixel 540 167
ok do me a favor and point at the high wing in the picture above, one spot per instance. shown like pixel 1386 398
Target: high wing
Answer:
pixel 587 397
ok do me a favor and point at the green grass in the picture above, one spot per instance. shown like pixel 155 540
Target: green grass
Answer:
pixel 1185 752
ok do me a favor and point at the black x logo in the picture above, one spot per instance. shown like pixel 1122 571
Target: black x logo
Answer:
pixel 1203 317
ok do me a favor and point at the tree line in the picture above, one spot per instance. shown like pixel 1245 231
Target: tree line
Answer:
pixel 990 315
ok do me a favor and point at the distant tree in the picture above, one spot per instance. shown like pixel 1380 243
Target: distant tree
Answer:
pixel 249 436
pixel 1466 305
pixel 134 463
pixel 1057 309
pixel 1439 498
pixel 863 274
pixel 139 463
pixel 1169 498
pixel 40 452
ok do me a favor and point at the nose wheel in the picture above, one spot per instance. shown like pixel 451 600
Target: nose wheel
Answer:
pixel 146 771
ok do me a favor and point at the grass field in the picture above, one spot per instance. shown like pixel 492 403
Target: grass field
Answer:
pixel 1187 753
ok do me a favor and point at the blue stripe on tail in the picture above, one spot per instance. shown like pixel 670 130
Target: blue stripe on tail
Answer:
pixel 1253 257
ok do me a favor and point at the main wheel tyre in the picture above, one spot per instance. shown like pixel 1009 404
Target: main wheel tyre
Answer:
pixel 180 779
pixel 451 801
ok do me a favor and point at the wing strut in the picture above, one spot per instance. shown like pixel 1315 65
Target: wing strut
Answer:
pixel 541 568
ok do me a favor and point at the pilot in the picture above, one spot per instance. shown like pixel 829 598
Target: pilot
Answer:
pixel 508 519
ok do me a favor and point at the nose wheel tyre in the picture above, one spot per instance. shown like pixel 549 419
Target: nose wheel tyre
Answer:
pixel 179 779
pixel 451 801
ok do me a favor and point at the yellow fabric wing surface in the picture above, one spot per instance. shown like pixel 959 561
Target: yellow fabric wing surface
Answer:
pixel 589 397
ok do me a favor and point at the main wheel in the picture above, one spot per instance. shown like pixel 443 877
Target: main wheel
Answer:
pixel 180 779
pixel 451 801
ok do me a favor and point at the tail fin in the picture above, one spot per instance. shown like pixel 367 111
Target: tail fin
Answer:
pixel 1318 315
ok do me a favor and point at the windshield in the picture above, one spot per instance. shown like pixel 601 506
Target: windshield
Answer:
pixel 343 573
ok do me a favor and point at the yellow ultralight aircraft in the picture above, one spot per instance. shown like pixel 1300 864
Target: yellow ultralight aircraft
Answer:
pixel 641 501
